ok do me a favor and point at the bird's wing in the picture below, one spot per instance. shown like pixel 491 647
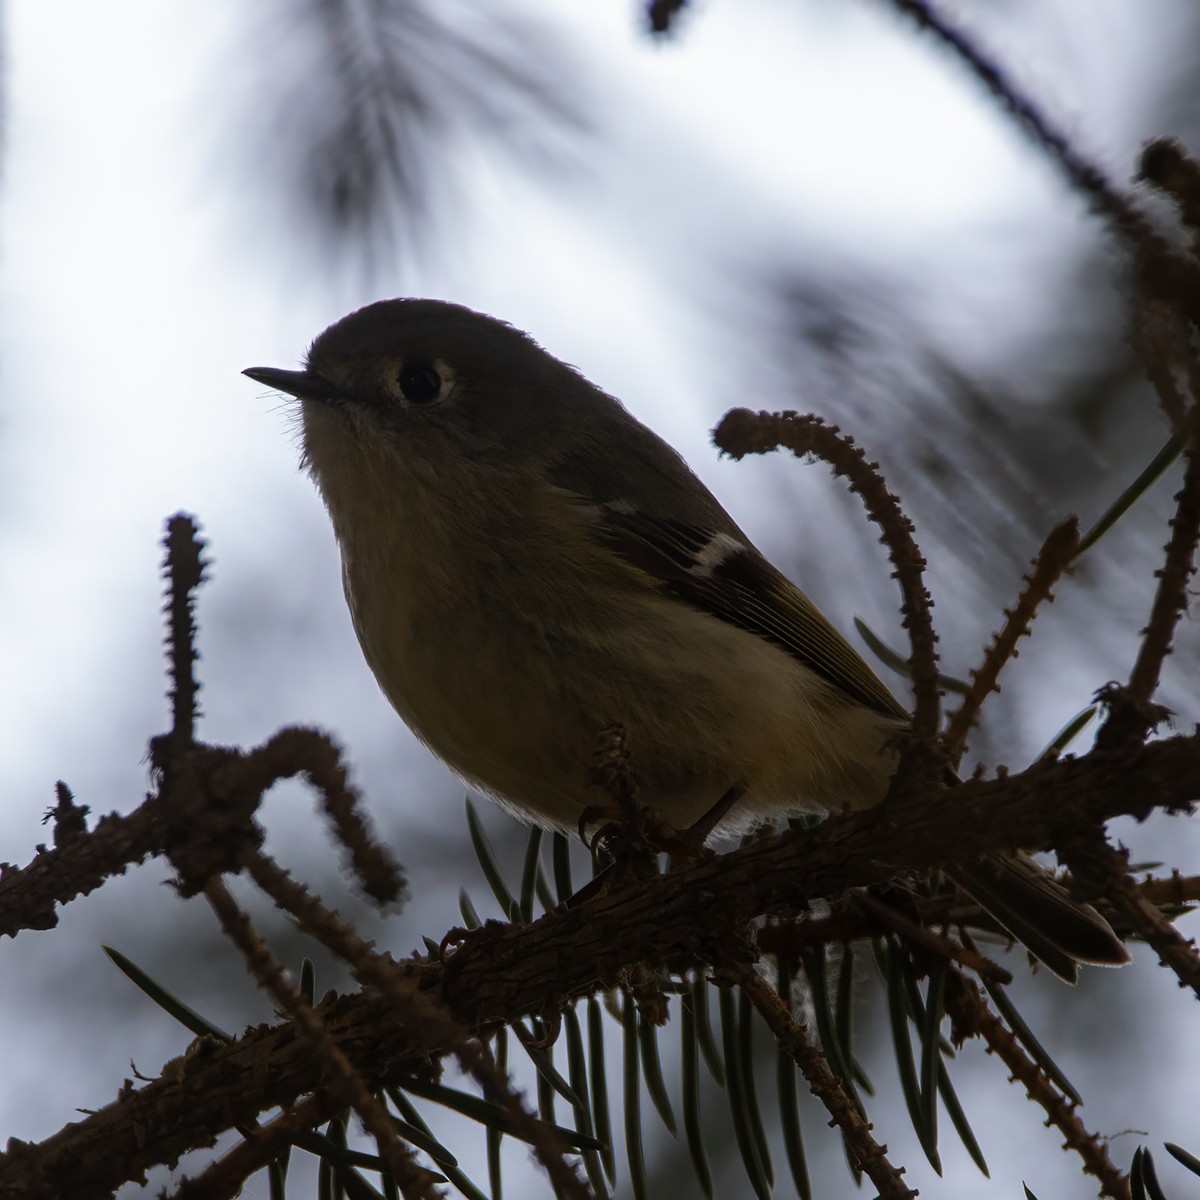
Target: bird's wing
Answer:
pixel 723 575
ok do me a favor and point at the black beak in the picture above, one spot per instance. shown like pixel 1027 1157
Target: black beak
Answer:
pixel 305 385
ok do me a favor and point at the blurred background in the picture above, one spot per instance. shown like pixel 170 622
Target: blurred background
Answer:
pixel 802 205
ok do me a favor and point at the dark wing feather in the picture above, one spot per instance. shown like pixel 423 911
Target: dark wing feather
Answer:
pixel 729 579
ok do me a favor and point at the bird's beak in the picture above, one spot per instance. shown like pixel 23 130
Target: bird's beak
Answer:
pixel 305 385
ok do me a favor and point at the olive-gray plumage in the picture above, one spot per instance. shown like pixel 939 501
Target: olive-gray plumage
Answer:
pixel 526 562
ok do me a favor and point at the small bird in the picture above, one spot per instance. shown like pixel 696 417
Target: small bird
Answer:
pixel 525 563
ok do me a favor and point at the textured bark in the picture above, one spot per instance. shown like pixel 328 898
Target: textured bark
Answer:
pixel 692 915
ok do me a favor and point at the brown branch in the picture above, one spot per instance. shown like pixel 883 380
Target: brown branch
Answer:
pixel 1052 560
pixel 1170 891
pixel 299 750
pixel 889 919
pixel 29 895
pixel 346 1081
pixel 672 921
pixel 1174 950
pixel 1162 271
pixel 1170 599
pixel 1105 870
pixel 661 15
pixel 1168 166
pixel 1085 176
pixel 226 1177
pixel 201 817
pixel 184 568
pixel 1160 336
pixel 82 861
pixel 373 970
pixel 971 1017
pixel 70 819
pixel 825 1085
pixel 741 432
pixel 210 802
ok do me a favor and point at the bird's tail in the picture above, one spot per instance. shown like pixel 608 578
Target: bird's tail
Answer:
pixel 1041 914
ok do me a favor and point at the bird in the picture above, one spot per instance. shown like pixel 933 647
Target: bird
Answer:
pixel 525 562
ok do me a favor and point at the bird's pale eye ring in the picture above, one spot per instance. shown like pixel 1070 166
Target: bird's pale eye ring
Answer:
pixel 420 382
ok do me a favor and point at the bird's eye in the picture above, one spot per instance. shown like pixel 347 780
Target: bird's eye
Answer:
pixel 420 382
